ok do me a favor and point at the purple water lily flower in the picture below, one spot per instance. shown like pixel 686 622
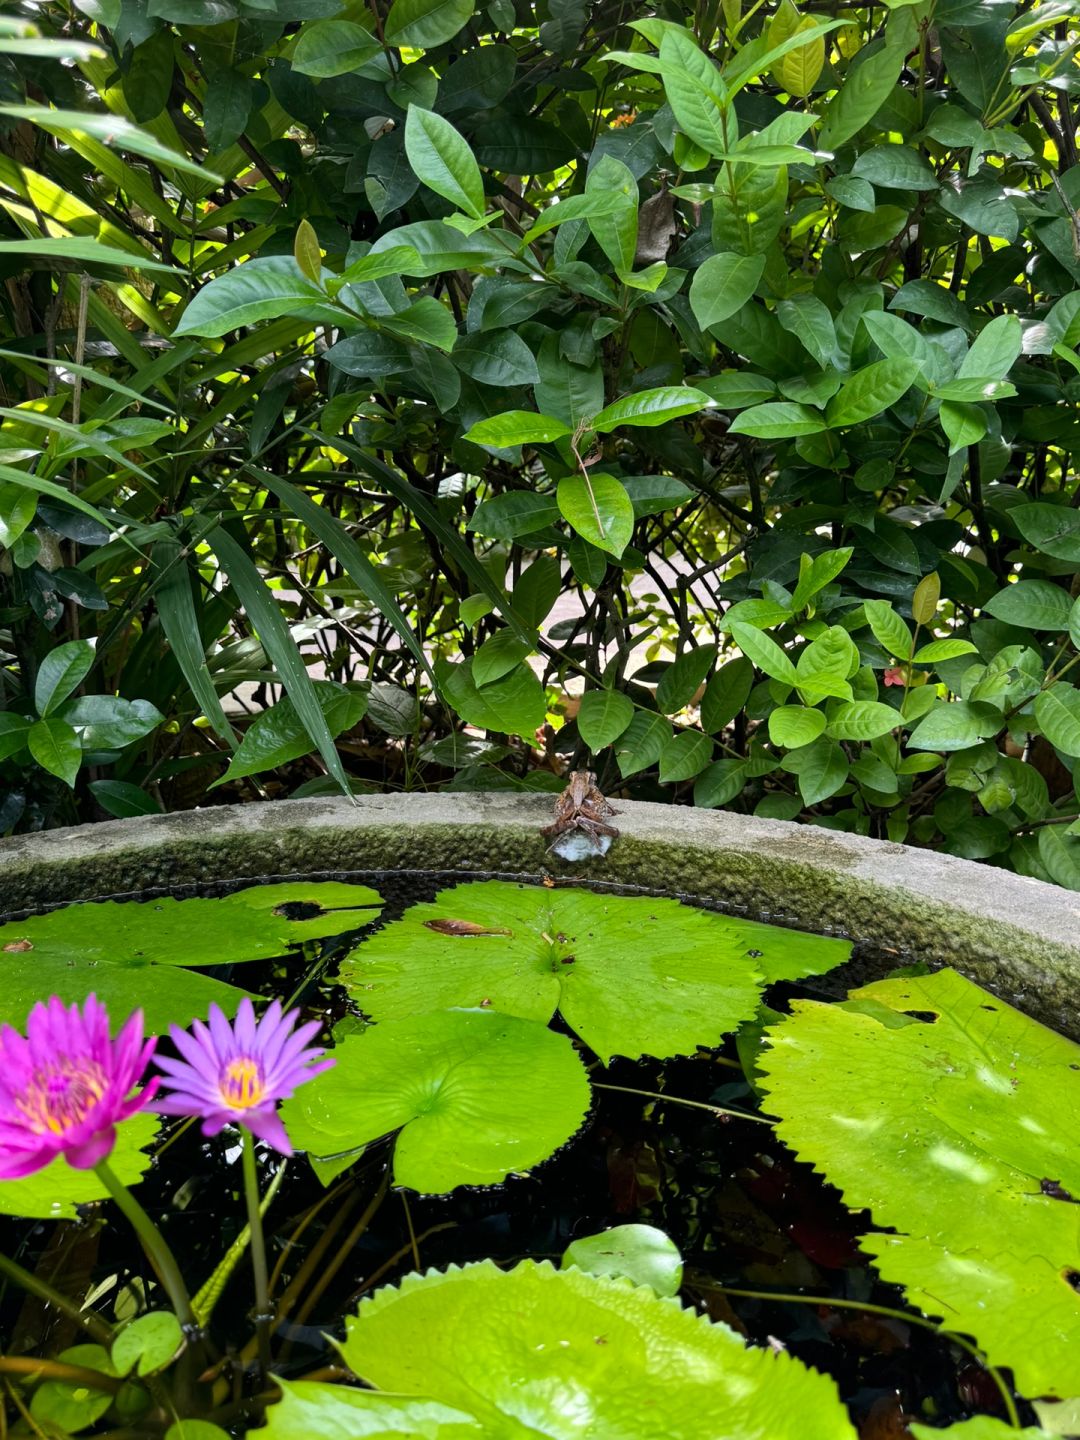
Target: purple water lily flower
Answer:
pixel 236 1074
pixel 65 1086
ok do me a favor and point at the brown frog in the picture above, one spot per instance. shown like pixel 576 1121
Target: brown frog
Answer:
pixel 581 807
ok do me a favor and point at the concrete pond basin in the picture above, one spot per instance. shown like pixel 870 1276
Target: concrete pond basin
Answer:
pixel 1018 937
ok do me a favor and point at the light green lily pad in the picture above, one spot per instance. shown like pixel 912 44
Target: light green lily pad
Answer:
pixel 981 1427
pixel 149 1342
pixel 140 953
pixel 71 1408
pixel 958 1130
pixel 309 1410
pixel 542 1352
pixel 640 1253
pixel 476 1096
pixel 53 1193
pixel 631 975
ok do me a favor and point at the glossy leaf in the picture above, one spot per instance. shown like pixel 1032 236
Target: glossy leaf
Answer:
pixel 517 427
pixel 599 509
pixel 1033 605
pixel 277 735
pixel 443 161
pixel 326 48
pixel 261 289
pixel 61 672
pixel 871 390
pixel 56 748
pixel 426 23
pixel 602 717
pixel 651 407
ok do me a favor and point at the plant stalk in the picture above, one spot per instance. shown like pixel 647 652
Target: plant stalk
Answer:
pixel 258 1253
pixel 87 1320
pixel 153 1242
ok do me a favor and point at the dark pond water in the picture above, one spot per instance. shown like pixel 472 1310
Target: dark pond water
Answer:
pixel 746 1216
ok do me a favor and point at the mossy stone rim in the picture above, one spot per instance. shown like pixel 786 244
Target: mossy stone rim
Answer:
pixel 1018 936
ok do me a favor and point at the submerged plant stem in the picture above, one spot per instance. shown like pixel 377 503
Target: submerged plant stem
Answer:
pixel 412 1233
pixel 905 1315
pixel 693 1104
pixel 345 1250
pixel 153 1242
pixel 39 1369
pixel 258 1252
pixel 87 1320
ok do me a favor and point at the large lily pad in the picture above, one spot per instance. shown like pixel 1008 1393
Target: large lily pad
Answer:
pixel 631 975
pixel 140 953
pixel 952 1118
pixel 476 1096
pixel 540 1352
pixel 53 1193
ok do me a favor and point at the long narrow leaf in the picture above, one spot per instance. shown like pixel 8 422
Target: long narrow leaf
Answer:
pixel 344 548
pixel 77 434
pixel 272 629
pixel 428 515
pixel 176 609
pixel 82 249
pixel 110 130
pixel 85 372
pixel 58 492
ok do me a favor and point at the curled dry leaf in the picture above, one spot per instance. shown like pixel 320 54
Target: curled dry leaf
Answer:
pixel 463 927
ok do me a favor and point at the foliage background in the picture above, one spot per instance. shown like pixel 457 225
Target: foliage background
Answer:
pixel 796 293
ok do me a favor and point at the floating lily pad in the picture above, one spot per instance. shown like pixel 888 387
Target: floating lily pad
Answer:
pixel 640 1253
pixel 958 1130
pixel 631 975
pixel 53 1193
pixel 71 1408
pixel 309 1410
pixel 475 1095
pixel 140 953
pixel 538 1351
pixel 981 1427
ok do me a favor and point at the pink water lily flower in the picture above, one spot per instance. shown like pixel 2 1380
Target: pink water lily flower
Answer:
pixel 65 1086
pixel 236 1074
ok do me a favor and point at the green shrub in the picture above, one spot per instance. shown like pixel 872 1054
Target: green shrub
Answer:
pixel 380 329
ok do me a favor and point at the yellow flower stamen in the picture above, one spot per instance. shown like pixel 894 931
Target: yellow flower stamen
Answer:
pixel 241 1083
pixel 61 1096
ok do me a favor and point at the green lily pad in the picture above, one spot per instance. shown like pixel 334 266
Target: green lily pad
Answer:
pixel 53 1193
pixel 640 1253
pixel 476 1096
pixel 140 953
pixel 981 1427
pixel 69 1407
pixel 542 1352
pixel 631 975
pixel 309 1410
pixel 957 1130
pixel 149 1342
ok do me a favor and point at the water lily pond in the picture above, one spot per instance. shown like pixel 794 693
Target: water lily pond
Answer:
pixel 585 1163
